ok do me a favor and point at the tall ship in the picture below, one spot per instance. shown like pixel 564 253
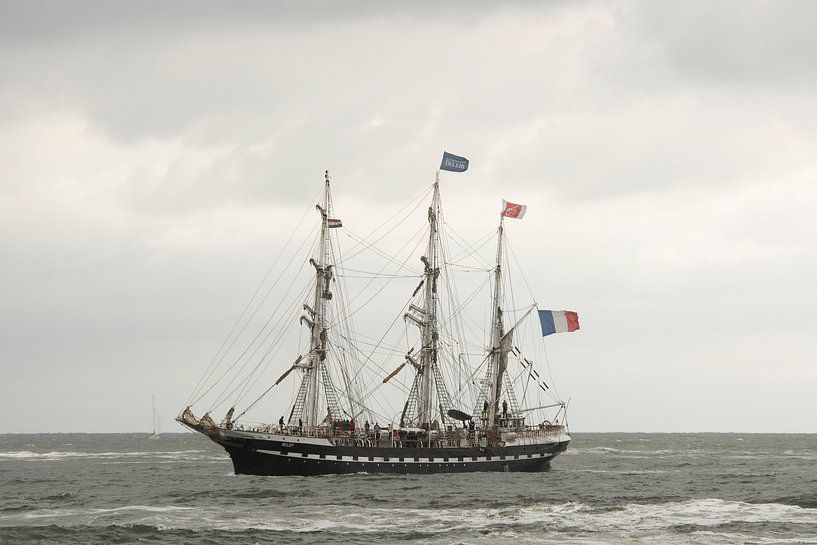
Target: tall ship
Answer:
pixel 455 382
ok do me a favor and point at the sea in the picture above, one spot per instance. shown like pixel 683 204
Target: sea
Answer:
pixel 607 488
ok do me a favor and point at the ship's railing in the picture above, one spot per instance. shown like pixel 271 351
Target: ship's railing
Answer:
pixel 260 427
pixel 317 431
pixel 544 431
pixel 361 437
pixel 553 429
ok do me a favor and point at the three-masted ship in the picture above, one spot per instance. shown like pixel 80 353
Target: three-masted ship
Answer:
pixel 453 417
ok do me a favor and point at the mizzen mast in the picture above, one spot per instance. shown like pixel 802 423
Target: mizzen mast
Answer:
pixel 499 345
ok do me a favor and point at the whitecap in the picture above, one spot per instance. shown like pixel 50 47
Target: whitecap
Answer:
pixel 560 517
pixel 63 455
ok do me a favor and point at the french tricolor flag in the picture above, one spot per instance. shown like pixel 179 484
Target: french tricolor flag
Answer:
pixel 558 321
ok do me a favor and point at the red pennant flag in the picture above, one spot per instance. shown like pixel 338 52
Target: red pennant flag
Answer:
pixel 513 210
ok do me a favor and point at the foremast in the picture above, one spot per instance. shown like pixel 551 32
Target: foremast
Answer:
pixel 305 409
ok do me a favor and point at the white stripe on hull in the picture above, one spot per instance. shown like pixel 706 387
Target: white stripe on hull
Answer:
pixel 405 460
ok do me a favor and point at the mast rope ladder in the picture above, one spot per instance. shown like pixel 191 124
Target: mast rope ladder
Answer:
pixel 410 408
pixel 332 403
pixel 300 400
pixel 513 404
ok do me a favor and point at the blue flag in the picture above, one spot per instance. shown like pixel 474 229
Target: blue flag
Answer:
pixel 454 163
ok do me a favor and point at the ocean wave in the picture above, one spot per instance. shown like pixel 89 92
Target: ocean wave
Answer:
pixel 691 453
pixel 590 450
pixel 151 534
pixel 629 453
pixel 805 500
pixel 700 515
pixel 17 508
pixel 272 493
pixel 800 454
pixel 615 471
pixel 67 455
pixel 199 461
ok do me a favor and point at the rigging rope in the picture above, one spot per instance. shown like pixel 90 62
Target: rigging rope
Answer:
pixel 249 303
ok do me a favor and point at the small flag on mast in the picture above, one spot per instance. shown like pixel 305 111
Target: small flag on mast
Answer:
pixel 513 210
pixel 558 321
pixel 333 223
pixel 454 163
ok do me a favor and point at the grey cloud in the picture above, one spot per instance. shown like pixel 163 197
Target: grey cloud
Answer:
pixel 755 43
pixel 46 21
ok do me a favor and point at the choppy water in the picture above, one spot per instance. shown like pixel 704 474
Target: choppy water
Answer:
pixel 607 488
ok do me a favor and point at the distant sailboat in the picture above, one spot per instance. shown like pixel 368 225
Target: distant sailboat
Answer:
pixel 157 421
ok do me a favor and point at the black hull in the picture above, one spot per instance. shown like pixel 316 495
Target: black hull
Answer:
pixel 268 457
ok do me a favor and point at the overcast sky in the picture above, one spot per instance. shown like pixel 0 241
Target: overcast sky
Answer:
pixel 153 157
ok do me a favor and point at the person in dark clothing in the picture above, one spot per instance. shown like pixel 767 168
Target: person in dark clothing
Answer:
pixel 505 409
pixel 281 424
pixel 366 427
pixel 300 426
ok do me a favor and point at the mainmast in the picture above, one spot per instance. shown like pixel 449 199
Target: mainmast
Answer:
pixel 317 314
pixel 499 358
pixel 430 335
